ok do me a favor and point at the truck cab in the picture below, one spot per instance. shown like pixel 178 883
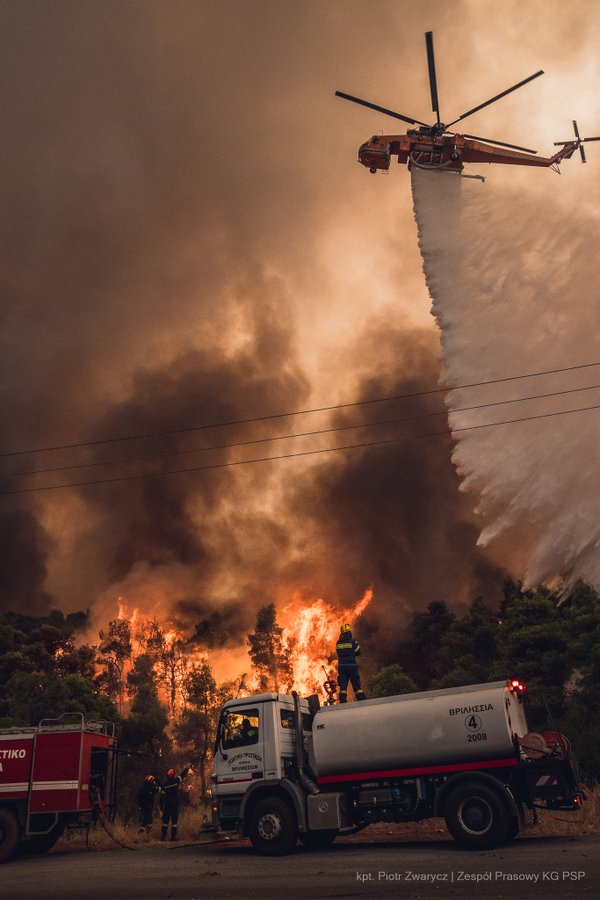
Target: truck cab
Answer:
pixel 256 755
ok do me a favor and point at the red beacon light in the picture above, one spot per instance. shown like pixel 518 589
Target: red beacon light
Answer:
pixel 517 687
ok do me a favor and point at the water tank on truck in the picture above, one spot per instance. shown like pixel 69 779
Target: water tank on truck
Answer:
pixel 417 730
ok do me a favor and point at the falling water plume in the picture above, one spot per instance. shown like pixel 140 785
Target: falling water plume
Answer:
pixel 512 277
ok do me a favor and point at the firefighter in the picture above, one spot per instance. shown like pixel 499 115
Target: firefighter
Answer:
pixel 170 802
pixel 145 798
pixel 347 649
pixel 247 734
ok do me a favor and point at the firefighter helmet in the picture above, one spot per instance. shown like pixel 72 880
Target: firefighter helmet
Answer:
pixel 345 628
pixel 149 777
pixel 171 772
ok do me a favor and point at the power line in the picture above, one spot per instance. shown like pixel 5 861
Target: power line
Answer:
pixel 287 437
pixel 244 462
pixel 299 412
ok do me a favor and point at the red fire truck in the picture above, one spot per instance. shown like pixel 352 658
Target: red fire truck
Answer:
pixel 58 774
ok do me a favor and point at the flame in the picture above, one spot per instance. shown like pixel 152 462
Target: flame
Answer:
pixel 362 604
pixel 312 636
pixel 174 659
pixel 309 635
pixel 123 612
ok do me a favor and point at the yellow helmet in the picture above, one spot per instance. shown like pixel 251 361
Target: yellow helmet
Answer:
pixel 345 628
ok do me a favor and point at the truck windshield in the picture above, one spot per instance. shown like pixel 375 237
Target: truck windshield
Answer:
pixel 240 728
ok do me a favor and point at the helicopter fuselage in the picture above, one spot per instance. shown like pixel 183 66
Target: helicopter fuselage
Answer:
pixel 426 149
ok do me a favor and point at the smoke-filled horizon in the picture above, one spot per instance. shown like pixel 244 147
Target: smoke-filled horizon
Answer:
pixel 189 239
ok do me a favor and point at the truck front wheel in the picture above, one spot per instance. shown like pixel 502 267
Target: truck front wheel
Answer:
pixel 10 834
pixel 477 816
pixel 273 829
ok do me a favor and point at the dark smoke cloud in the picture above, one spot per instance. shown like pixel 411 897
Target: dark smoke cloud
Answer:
pixel 213 532
pixel 393 517
pixel 217 629
pixel 25 550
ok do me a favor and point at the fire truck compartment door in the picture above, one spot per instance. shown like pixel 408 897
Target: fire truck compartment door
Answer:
pixel 56 772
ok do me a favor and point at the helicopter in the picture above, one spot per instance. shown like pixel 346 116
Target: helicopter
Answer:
pixel 435 147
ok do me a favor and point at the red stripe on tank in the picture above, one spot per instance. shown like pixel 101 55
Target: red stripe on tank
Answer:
pixel 418 770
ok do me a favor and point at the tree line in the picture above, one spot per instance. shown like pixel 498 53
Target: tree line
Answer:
pixel 165 699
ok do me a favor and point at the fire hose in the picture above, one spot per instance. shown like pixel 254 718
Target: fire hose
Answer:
pixel 101 817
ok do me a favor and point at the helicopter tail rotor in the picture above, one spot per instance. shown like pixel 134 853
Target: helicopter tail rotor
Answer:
pixel 578 142
pixel 581 150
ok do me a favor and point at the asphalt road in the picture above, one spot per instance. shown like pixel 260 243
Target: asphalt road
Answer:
pixel 551 868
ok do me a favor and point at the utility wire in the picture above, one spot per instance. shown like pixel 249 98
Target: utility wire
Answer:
pixel 299 412
pixel 245 462
pixel 287 437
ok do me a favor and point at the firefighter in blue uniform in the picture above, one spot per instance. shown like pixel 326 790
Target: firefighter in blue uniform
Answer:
pixel 146 797
pixel 347 649
pixel 170 802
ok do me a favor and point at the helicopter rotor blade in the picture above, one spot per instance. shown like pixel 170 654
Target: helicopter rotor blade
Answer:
pixel 432 78
pixel 582 151
pixel 497 97
pixel 499 143
pixel 576 130
pixel 381 109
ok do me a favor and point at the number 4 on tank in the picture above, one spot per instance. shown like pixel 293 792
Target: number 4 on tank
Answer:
pixel 435 147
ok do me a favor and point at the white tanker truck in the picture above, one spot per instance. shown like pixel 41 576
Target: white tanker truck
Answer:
pixel 287 769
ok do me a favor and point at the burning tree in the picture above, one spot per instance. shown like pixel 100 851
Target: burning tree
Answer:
pixel 197 724
pixel 114 652
pixel 269 656
pixel 310 640
pixel 166 649
pixel 144 737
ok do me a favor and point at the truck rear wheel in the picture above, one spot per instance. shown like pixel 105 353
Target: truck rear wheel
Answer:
pixel 477 816
pixel 10 834
pixel 273 829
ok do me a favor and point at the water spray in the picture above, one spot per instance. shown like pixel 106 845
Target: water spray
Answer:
pixel 509 288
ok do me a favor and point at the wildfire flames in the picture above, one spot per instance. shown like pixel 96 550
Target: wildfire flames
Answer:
pixel 140 627
pixel 311 637
pixel 309 632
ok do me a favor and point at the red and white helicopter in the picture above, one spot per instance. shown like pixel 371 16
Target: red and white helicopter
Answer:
pixel 436 147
